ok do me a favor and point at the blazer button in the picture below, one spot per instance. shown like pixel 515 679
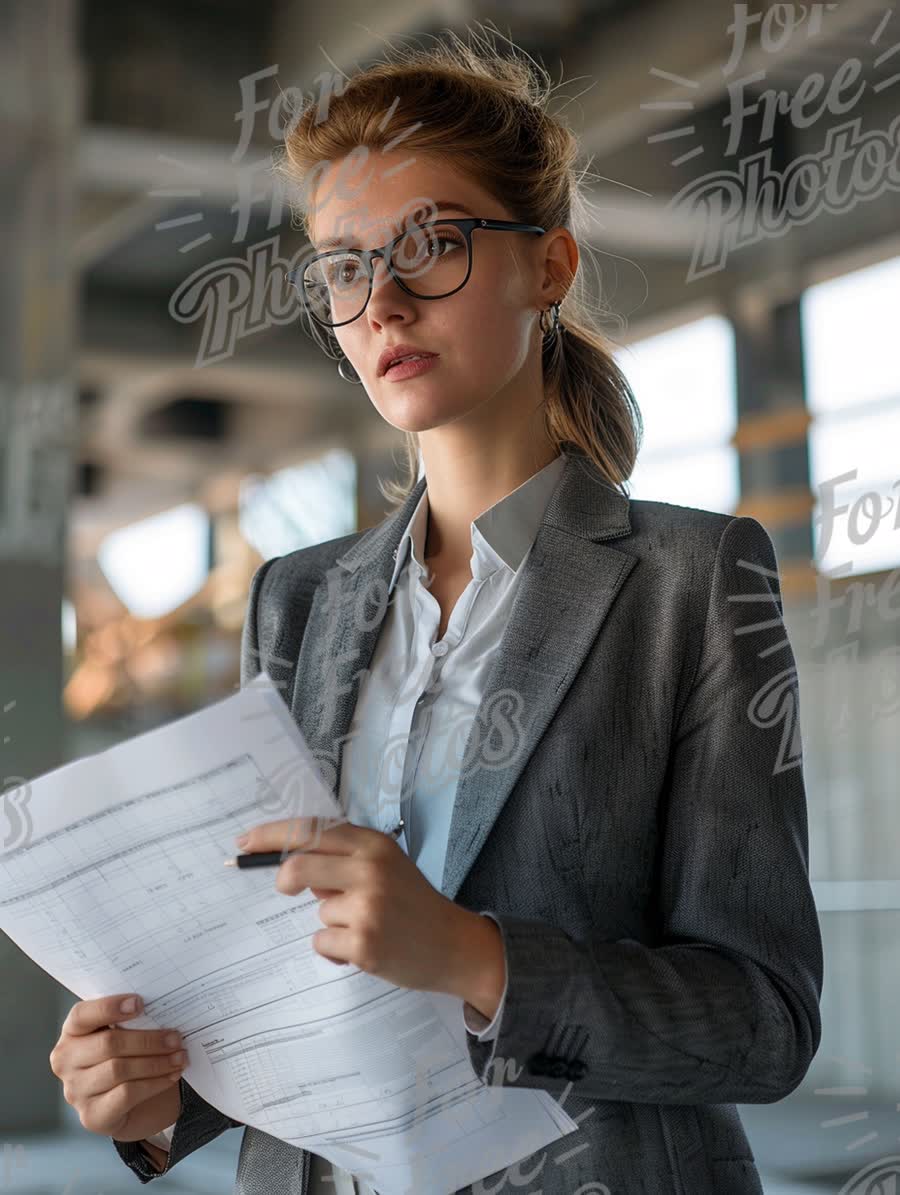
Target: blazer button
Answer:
pixel 558 1068
pixel 577 1069
pixel 537 1063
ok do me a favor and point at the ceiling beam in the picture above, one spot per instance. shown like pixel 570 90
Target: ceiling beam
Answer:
pixel 113 160
pixel 688 39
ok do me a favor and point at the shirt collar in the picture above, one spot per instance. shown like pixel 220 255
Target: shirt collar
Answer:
pixel 501 535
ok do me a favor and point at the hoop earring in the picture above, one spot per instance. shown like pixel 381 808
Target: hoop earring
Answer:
pixel 551 334
pixel 355 378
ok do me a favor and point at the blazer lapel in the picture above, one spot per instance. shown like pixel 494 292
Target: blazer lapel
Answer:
pixel 344 620
pixel 569 582
pixel 565 592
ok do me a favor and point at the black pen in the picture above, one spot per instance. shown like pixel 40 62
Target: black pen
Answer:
pixel 276 858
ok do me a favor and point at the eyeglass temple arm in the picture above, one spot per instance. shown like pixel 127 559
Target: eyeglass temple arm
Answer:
pixel 511 226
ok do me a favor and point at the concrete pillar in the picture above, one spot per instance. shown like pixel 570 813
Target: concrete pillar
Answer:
pixel 772 430
pixel 40 104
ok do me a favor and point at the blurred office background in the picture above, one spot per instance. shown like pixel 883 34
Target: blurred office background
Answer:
pixel 158 439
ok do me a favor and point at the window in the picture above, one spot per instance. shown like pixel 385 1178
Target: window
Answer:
pixel 304 504
pixel 853 393
pixel 155 564
pixel 684 383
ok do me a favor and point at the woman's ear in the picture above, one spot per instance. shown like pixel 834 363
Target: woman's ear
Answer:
pixel 560 264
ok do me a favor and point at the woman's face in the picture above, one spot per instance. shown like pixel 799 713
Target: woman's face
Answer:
pixel 486 335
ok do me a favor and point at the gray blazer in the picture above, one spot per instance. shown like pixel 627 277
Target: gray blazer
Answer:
pixel 644 849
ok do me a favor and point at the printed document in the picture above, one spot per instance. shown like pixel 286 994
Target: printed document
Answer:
pixel 119 886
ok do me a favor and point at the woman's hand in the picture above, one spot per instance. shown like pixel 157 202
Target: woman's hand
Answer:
pixel 380 912
pixel 123 1083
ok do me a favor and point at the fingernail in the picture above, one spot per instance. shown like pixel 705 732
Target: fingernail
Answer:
pixel 243 840
pixel 130 1005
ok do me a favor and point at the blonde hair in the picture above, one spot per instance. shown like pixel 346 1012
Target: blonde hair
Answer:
pixel 486 114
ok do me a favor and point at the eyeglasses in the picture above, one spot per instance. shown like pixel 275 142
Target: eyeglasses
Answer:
pixel 335 286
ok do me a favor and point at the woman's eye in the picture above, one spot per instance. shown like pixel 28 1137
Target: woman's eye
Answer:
pixel 446 241
pixel 343 273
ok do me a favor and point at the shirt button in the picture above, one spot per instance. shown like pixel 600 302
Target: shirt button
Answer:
pixel 439 649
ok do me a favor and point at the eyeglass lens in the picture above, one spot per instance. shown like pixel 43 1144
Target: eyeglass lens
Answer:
pixel 431 261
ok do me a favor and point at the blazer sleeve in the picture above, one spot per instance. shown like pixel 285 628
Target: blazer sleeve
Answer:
pixel 250 654
pixel 725 1009
pixel 199 1122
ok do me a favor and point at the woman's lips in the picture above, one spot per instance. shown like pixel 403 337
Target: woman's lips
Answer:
pixel 411 369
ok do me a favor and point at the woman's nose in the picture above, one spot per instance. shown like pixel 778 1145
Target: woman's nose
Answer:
pixel 386 291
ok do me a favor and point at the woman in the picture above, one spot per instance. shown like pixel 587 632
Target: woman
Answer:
pixel 618 889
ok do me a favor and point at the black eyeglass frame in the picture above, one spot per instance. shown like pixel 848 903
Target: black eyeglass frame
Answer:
pixel 465 226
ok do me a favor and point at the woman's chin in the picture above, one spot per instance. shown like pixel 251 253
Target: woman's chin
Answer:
pixel 418 412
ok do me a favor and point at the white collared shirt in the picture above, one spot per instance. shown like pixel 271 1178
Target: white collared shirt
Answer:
pixel 417 703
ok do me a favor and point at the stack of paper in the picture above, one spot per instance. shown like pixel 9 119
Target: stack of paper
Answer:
pixel 120 887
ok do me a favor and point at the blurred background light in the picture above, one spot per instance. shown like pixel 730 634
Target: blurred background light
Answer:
pixel 157 563
pixel 853 384
pixel 69 625
pixel 301 505
pixel 684 383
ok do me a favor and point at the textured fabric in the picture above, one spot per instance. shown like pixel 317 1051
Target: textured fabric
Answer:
pixel 643 848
